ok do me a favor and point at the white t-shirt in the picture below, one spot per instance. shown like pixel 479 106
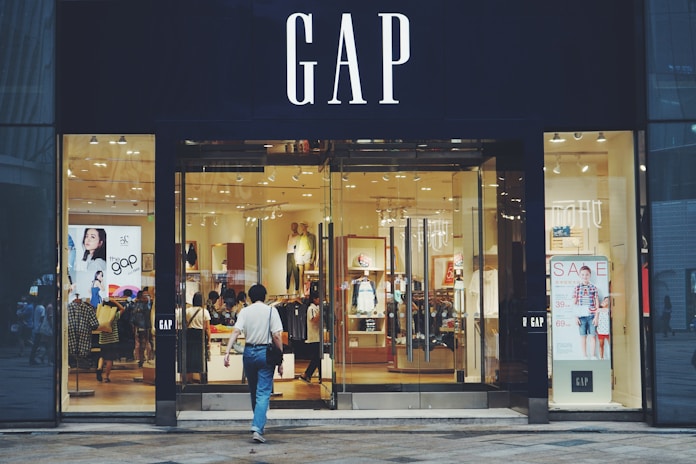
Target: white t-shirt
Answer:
pixel 253 320
pixel 292 243
pixel 196 321
pixel 313 326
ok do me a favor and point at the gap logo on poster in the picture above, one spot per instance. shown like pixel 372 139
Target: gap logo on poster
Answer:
pixel 346 41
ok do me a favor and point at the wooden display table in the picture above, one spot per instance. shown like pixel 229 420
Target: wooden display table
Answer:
pixel 441 361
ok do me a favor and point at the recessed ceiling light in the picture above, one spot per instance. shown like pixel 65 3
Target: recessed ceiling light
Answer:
pixel 556 138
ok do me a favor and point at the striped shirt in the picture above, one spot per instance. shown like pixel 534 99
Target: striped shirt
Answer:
pixel 105 337
pixel 586 296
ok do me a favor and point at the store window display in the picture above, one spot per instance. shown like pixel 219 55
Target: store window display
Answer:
pixel 592 274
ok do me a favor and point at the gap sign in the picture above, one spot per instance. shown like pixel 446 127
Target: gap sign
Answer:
pixel 346 41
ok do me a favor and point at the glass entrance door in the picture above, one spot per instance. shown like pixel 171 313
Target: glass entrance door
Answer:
pixel 413 236
pixel 255 214
pixel 402 259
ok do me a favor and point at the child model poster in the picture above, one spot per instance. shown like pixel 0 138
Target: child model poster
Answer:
pixel 579 285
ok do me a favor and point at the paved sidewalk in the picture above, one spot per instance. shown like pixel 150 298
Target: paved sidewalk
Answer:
pixel 350 441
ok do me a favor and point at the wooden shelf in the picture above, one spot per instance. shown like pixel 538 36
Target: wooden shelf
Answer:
pixel 363 346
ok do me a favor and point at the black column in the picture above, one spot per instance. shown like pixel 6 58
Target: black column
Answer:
pixel 165 280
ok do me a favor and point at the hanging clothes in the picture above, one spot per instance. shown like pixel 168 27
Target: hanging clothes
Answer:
pixel 296 313
pixel 364 296
pixel 490 291
pixel 82 320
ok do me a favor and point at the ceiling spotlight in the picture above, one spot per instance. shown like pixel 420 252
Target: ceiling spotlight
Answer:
pixel 557 168
pixel 577 135
pixel 344 177
pixel 643 168
pixel 121 140
pixel 385 177
pixel 272 176
pixel 416 177
pixel 93 140
pixel 202 221
pixel 556 138
pixel 215 221
pixel 583 167
pixel 239 177
pixel 296 177
pixel 279 212
pixel 188 222
pixel 601 137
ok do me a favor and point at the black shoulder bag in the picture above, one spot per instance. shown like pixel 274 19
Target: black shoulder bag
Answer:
pixel 274 355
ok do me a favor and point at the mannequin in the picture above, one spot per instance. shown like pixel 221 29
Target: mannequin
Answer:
pixel 459 295
pixel 305 251
pixel 292 271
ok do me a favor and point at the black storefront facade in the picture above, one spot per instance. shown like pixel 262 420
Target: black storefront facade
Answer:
pixel 468 91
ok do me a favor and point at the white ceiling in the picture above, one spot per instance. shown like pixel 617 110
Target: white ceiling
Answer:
pixel 118 179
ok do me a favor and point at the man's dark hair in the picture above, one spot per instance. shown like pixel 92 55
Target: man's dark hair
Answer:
pixel 257 293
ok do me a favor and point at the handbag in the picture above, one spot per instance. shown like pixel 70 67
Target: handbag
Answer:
pixel 45 328
pixel 105 316
pixel 274 355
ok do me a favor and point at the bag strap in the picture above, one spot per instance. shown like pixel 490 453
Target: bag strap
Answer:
pixel 270 334
pixel 193 317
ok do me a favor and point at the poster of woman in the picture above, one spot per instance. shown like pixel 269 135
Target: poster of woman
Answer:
pixel 102 259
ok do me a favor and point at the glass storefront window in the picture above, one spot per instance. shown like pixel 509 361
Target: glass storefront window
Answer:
pixel 409 267
pixel 109 262
pixel 592 270
pixel 672 198
pixel 28 166
pixel 670 59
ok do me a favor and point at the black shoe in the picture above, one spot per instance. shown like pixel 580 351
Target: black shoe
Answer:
pixel 305 379
pixel 140 364
pixel 99 375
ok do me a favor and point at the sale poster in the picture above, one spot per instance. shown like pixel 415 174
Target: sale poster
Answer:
pixel 580 308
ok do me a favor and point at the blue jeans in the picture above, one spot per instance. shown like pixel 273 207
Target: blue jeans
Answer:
pixel 260 377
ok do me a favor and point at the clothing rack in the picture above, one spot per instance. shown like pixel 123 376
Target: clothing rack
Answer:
pixel 77 392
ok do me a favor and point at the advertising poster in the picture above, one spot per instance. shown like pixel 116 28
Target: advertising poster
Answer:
pixel 103 261
pixel 579 292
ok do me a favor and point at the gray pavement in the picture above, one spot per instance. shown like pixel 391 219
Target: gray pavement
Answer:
pixel 486 436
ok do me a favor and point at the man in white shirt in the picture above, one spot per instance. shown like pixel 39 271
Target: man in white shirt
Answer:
pixel 261 325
